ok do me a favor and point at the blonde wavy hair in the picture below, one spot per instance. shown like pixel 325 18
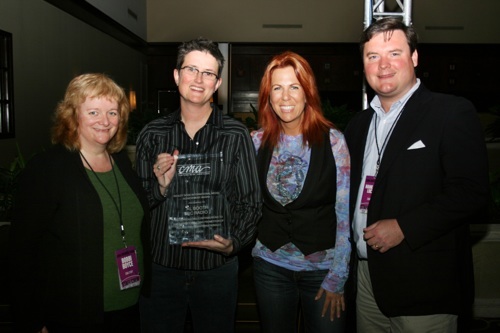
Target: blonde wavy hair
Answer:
pixel 65 128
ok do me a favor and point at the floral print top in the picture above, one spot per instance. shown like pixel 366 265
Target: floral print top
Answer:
pixel 286 176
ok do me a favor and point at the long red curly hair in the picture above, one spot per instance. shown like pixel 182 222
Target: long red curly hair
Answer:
pixel 314 124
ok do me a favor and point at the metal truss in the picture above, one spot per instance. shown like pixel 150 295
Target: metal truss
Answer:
pixel 375 9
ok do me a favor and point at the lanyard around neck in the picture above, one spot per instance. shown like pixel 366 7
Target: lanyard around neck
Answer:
pixel 380 150
pixel 117 207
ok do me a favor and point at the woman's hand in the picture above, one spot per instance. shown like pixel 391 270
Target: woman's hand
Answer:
pixel 333 301
pixel 43 330
pixel 218 243
pixel 164 169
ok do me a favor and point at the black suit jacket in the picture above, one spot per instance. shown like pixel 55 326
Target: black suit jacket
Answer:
pixel 433 192
pixel 57 241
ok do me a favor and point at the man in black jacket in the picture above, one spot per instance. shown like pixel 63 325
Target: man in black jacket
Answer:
pixel 418 177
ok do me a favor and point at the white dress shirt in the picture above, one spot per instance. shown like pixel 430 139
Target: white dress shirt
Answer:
pixel 385 121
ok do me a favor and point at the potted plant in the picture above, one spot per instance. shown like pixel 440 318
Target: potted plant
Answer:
pixel 252 122
pixel 8 185
pixel 339 115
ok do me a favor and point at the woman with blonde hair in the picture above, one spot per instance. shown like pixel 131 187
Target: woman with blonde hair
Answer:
pixel 79 235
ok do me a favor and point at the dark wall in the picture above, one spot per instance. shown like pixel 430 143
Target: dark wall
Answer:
pixel 468 70
pixel 161 85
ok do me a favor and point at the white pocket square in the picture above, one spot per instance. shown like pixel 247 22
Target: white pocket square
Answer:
pixel 417 145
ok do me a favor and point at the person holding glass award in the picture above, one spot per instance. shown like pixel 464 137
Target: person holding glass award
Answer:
pixel 198 168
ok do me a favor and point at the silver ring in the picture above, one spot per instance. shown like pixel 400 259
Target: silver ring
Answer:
pixel 375 246
pixel 158 167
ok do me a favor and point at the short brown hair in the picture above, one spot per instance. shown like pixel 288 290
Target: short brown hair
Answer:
pixel 65 128
pixel 387 26
pixel 203 45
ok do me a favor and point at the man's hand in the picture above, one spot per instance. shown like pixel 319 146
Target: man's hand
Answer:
pixel 383 235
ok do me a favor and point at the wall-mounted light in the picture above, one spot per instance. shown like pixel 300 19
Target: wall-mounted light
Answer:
pixel 132 100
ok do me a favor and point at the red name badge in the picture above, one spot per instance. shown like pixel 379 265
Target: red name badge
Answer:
pixel 367 194
pixel 128 268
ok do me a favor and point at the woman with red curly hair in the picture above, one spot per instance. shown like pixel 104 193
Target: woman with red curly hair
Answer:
pixel 302 250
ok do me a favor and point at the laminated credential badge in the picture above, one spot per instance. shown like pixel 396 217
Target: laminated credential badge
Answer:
pixel 128 267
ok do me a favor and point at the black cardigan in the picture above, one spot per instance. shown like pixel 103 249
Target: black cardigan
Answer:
pixel 56 243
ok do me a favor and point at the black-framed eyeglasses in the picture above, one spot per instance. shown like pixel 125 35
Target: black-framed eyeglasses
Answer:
pixel 193 71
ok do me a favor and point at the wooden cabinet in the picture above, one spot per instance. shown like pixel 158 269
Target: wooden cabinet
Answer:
pixel 337 67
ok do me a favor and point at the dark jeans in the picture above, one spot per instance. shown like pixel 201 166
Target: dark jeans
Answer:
pixel 279 292
pixel 122 321
pixel 210 296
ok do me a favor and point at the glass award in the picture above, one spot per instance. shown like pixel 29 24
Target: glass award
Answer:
pixel 197 206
